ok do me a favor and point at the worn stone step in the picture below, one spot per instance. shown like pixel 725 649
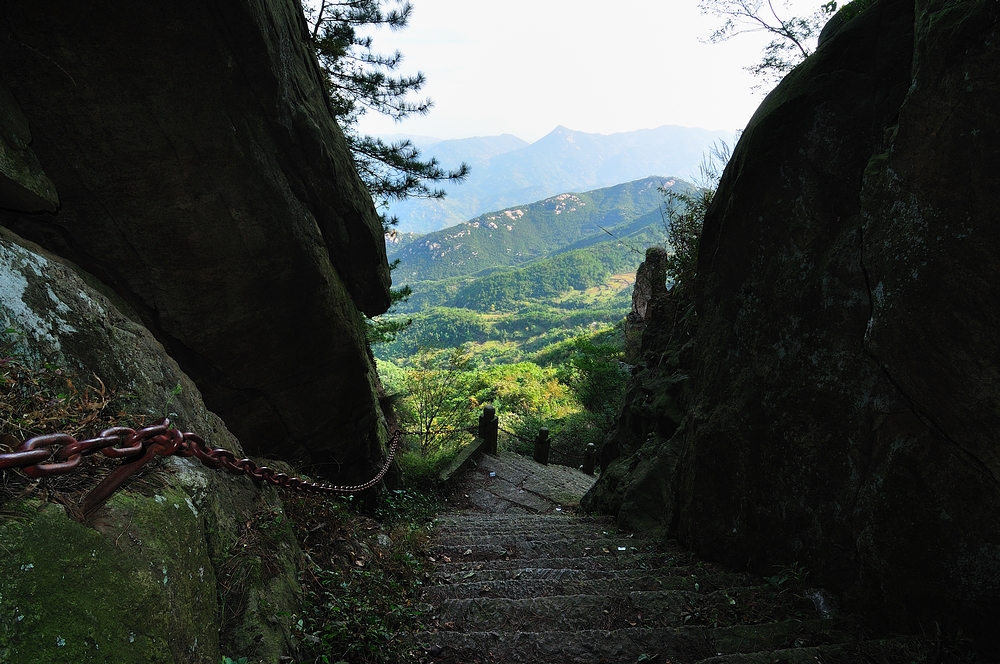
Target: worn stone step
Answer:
pixel 562 531
pixel 589 646
pixel 463 575
pixel 680 644
pixel 904 650
pixel 642 561
pixel 555 548
pixel 649 608
pixel 782 635
pixel 510 520
pixel 565 612
pixel 605 583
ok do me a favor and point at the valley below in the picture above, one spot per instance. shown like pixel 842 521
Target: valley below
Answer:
pixel 524 308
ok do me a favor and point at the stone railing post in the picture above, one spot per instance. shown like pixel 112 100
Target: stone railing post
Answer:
pixel 588 459
pixel 489 426
pixel 542 443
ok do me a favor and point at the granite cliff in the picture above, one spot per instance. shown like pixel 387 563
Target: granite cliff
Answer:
pixel 176 202
pixel 837 407
pixel 185 157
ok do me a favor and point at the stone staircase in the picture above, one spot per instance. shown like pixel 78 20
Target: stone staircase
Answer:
pixel 519 578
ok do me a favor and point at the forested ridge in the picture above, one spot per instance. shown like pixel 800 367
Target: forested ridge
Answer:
pixel 521 308
pixel 522 234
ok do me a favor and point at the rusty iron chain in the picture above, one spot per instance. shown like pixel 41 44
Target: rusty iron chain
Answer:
pixel 59 454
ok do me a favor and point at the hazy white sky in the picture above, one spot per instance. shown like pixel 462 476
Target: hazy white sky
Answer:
pixel 525 66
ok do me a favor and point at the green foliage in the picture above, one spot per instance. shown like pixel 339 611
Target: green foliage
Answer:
pixel 407 506
pixel 796 574
pixel 383 329
pixel 360 80
pixel 365 576
pixel 437 407
pixel 850 10
pixel 174 392
pixel 523 388
pixel 596 375
pixel 501 337
pixel 548 278
pixel 421 470
pixel 684 218
pixel 526 395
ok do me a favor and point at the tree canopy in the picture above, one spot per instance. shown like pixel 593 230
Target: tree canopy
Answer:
pixel 360 80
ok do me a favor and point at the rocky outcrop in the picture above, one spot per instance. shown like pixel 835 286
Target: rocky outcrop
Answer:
pixel 842 410
pixel 183 563
pixel 203 181
pixel 636 463
pixel 23 184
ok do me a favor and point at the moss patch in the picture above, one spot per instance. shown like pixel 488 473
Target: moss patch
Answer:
pixel 71 593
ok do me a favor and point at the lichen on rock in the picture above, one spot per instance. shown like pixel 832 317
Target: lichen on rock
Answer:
pixel 138 583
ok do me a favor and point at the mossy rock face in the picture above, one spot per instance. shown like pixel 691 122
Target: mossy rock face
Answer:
pixel 143 590
pixel 159 575
pixel 154 578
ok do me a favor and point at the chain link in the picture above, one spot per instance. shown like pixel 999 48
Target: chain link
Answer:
pixel 60 454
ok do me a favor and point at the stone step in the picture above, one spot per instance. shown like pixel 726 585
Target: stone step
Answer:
pixel 464 575
pixel 904 650
pixel 566 646
pixel 555 548
pixel 646 561
pixel 681 644
pixel 648 608
pixel 607 583
pixel 509 521
pixel 565 612
pixel 562 531
pixel 783 634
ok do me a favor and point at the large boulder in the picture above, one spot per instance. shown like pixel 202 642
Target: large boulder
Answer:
pixel 183 564
pixel 844 402
pixel 202 178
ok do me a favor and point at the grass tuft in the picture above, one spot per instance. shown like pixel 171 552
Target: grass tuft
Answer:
pixel 364 575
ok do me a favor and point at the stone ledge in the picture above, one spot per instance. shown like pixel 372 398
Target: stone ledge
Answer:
pixel 461 462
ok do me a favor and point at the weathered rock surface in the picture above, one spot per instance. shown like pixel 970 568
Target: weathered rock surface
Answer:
pixel 23 184
pixel 203 179
pixel 635 462
pixel 169 570
pixel 843 405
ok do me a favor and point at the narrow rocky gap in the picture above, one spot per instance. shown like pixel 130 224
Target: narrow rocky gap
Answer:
pixel 520 575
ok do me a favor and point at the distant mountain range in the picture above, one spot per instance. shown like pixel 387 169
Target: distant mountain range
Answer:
pixel 507 170
pixel 521 234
